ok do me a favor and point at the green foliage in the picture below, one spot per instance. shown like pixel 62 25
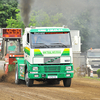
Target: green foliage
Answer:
pixel 92 78
pixel 15 23
pixel 7 10
pixel 81 22
pixel 98 71
pixel 89 29
pixel 41 18
pixel 77 69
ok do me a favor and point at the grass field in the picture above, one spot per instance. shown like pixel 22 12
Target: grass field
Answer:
pixel 94 78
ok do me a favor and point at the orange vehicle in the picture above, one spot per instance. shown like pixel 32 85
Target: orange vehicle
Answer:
pixel 11 48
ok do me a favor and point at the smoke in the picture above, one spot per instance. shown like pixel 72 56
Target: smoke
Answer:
pixel 72 11
pixel 25 7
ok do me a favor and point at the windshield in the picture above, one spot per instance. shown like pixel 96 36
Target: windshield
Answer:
pixel 93 54
pixel 42 40
pixel 12 46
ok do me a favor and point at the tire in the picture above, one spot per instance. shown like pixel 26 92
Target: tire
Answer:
pixel 4 68
pixel 89 72
pixel 67 82
pixel 17 81
pixel 29 82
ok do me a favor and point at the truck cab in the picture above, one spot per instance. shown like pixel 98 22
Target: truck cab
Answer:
pixel 93 60
pixel 47 56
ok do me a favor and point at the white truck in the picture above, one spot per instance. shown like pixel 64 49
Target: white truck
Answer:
pixel 92 61
pixel 47 56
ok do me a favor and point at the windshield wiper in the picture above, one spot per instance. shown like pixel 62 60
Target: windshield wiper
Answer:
pixel 58 44
pixel 39 45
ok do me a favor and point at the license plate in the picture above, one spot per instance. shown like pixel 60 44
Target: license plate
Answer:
pixel 52 76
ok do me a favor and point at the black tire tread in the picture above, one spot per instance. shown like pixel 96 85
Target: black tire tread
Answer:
pixel 29 82
pixel 67 82
pixel 18 81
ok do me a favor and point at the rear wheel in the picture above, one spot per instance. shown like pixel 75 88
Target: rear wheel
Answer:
pixel 67 82
pixel 17 81
pixel 29 82
pixel 4 68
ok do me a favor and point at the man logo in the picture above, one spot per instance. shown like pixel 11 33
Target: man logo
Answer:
pixel 52 60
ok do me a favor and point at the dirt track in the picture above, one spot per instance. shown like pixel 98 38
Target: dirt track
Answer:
pixel 81 89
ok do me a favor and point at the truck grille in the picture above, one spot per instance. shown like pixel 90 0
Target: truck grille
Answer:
pixel 94 62
pixel 50 69
pixel 52 60
pixel 95 66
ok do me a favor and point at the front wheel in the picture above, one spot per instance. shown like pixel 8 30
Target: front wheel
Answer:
pixel 29 82
pixel 67 82
pixel 17 81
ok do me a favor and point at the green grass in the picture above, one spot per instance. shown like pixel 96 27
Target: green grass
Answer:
pixel 94 78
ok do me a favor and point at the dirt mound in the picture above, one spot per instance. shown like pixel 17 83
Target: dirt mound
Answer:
pixel 10 77
pixel 2 77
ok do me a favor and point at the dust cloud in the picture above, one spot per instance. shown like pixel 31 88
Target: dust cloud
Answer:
pixel 1 75
pixel 10 77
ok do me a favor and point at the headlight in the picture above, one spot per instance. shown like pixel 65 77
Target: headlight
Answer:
pixel 35 68
pixel 68 67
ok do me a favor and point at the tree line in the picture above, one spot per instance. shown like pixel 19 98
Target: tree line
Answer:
pixel 10 17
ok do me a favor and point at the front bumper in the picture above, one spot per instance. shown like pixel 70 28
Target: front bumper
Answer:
pixel 51 76
pixel 51 72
